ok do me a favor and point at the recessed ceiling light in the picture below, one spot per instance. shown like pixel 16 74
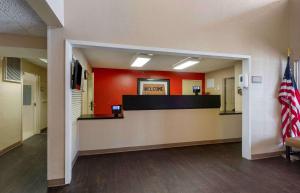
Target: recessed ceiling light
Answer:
pixel 140 60
pixel 186 63
pixel 44 60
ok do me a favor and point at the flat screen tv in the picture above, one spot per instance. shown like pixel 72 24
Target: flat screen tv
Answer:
pixel 196 90
pixel 76 75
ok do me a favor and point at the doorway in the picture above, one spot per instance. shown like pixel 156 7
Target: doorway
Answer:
pixel 69 131
pixel 29 107
pixel 23 94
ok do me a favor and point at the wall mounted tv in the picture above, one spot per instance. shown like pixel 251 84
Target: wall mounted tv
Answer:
pixel 76 75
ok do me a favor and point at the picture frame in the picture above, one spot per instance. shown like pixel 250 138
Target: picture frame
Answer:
pixel 149 86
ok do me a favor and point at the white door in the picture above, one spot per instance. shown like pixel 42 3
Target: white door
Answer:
pixel 90 88
pixel 29 121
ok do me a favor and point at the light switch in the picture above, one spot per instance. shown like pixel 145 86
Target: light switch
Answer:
pixel 256 79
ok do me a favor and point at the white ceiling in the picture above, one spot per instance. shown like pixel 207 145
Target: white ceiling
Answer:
pixel 121 59
pixel 17 17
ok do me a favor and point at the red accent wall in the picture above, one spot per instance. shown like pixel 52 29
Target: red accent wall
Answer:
pixel 111 84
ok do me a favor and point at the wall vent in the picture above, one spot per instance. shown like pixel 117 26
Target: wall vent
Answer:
pixel 12 70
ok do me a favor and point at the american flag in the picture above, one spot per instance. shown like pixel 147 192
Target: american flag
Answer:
pixel 289 99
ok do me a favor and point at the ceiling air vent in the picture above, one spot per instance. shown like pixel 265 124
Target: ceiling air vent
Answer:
pixel 12 70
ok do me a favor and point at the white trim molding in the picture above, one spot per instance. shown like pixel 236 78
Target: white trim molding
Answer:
pixel 68 114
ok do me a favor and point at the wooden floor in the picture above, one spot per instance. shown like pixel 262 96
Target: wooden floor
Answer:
pixel 23 170
pixel 207 169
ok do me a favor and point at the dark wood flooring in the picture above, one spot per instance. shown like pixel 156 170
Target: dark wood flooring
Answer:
pixel 199 169
pixel 24 169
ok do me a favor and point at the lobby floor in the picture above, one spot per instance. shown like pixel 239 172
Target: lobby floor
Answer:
pixel 207 169
pixel 24 169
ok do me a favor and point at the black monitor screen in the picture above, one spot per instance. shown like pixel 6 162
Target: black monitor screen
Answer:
pixel 196 89
pixel 116 109
pixel 76 75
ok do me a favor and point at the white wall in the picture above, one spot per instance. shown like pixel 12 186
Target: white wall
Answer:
pixel 156 127
pixel 256 28
pixel 56 104
pixel 57 7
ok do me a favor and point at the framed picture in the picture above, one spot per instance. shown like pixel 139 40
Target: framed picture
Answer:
pixel 147 86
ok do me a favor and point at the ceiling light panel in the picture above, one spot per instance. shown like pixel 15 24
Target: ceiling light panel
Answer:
pixel 186 63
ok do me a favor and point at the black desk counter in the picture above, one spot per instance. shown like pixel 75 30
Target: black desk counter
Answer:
pixel 158 102
pixel 230 113
pixel 102 116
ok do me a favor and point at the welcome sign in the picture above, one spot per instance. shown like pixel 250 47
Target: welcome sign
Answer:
pixel 153 86
pixel 154 89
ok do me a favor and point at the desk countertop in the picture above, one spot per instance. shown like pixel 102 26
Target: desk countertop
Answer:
pixel 99 116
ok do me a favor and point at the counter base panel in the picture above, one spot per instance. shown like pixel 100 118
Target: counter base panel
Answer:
pixel 160 146
pixel 156 127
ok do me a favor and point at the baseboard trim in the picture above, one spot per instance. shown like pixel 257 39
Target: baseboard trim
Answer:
pixel 75 159
pixel 153 147
pixel 56 182
pixel 43 130
pixel 266 155
pixel 11 147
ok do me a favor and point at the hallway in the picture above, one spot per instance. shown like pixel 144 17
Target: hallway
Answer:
pixel 24 169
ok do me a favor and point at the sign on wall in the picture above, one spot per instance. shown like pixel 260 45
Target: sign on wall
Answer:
pixel 153 86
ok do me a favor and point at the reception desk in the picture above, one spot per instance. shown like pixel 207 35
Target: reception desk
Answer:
pixel 159 102
pixel 150 122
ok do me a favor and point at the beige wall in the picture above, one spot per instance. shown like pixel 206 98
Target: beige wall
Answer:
pixel 218 77
pixel 157 127
pixel 22 46
pixel 10 114
pixel 295 28
pixel 9 40
pixel 256 28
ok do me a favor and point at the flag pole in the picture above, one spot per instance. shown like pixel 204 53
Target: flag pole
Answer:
pixel 290 107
